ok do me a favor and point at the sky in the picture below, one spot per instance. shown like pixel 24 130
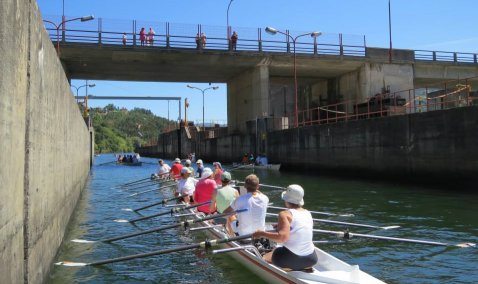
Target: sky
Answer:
pixel 439 25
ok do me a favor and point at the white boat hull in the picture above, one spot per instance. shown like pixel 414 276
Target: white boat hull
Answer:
pixel 271 167
pixel 328 270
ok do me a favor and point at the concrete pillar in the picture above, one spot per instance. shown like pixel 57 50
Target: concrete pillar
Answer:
pixel 372 77
pixel 247 97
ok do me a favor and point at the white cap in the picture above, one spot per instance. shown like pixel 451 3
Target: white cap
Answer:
pixel 294 194
pixel 187 162
pixel 199 161
pixel 186 170
pixel 207 172
pixel 177 160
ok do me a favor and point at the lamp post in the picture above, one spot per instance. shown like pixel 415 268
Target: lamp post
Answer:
pixel 273 31
pixel 390 31
pixel 203 91
pixel 57 27
pixel 85 85
pixel 228 29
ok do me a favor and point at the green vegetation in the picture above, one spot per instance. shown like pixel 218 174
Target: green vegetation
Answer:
pixel 120 130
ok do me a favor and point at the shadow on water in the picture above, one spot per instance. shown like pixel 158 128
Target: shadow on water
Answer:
pixel 429 213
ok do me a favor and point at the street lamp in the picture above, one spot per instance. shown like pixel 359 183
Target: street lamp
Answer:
pixel 203 91
pixel 273 31
pixel 85 85
pixel 57 27
pixel 228 29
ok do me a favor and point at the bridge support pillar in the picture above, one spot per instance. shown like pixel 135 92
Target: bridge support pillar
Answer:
pixel 247 97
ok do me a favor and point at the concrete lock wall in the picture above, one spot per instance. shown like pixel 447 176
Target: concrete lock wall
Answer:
pixel 47 146
pixel 13 91
pixel 431 143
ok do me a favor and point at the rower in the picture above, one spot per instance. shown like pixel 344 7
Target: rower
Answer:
pixel 163 169
pixel 223 197
pixel 186 185
pixel 256 204
pixel 187 164
pixel 176 169
pixel 217 172
pixel 204 190
pixel 294 232
pixel 200 168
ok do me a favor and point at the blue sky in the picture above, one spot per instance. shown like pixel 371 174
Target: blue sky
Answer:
pixel 440 25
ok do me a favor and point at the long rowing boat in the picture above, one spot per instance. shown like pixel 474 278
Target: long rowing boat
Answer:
pixel 272 167
pixel 329 269
pixel 134 164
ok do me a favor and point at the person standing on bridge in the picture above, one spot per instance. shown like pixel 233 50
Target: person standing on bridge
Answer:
pixel 151 36
pixel 234 40
pixel 203 40
pixel 124 38
pixel 142 36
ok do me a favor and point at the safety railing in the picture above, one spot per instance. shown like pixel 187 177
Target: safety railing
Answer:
pixel 185 36
pixel 451 94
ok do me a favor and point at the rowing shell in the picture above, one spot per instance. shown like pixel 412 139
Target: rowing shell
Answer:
pixel 329 269
pixel 272 167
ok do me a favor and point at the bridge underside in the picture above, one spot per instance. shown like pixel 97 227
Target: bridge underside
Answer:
pixel 261 84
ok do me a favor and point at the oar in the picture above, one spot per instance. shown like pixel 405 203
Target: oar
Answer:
pixel 106 163
pixel 316 212
pixel 146 191
pixel 347 223
pixel 162 202
pixel 172 211
pixel 185 224
pixel 142 186
pixel 127 187
pixel 135 181
pixel 348 235
pixel 206 244
pixel 265 185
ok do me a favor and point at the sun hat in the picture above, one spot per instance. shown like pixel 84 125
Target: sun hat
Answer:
pixel 294 194
pixel 207 172
pixel 177 160
pixel 187 162
pixel 186 170
pixel 226 176
pixel 217 164
pixel 199 161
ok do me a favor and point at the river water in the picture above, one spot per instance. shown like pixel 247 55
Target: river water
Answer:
pixel 423 213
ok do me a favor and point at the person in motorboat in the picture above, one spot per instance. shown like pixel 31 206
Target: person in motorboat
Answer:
pixel 176 169
pixel 256 204
pixel 217 172
pixel 223 197
pixel 294 232
pixel 200 168
pixel 163 169
pixel 186 186
pixel 204 190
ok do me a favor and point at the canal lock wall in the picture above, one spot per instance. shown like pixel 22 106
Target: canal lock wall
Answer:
pixel 433 146
pixel 46 146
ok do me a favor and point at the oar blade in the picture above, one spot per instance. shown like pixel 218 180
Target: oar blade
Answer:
pixel 127 209
pixel 83 241
pixel 71 263
pixel 390 227
pixel 121 221
pixel 466 245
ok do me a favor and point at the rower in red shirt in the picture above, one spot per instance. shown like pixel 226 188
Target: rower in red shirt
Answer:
pixel 176 169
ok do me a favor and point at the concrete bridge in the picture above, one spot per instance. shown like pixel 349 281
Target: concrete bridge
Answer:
pixel 259 71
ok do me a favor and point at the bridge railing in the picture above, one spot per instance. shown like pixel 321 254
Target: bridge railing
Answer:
pixel 447 95
pixel 168 35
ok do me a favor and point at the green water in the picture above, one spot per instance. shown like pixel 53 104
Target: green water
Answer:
pixel 443 215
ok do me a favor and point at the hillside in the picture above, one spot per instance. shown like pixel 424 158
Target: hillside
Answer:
pixel 120 130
